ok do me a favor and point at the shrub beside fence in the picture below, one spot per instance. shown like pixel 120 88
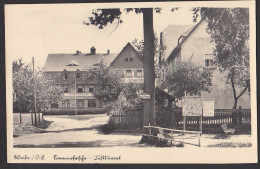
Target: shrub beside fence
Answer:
pixel 174 119
pixel 26 118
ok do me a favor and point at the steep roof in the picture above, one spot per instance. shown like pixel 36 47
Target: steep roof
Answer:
pixel 186 36
pixel 171 34
pixel 130 46
pixel 58 62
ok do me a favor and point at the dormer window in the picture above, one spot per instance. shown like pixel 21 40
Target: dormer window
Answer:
pixel 78 74
pixel 65 75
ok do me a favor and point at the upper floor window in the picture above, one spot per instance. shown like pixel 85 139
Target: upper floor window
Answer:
pixel 80 89
pixel 91 90
pixel 128 73
pixel 66 89
pixel 128 59
pixel 139 73
pixel 208 63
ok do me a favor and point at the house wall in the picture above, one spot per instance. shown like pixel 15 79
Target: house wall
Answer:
pixel 135 66
pixel 197 45
pixel 82 98
pixel 121 63
pixel 197 48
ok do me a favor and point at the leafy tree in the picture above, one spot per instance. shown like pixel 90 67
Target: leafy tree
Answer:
pixel 188 78
pixel 159 51
pixel 128 100
pixel 117 96
pixel 17 65
pixel 229 29
pixel 109 83
pixel 47 92
pixel 101 17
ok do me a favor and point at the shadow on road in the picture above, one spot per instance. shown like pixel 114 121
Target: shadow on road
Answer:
pixel 96 143
pixel 74 129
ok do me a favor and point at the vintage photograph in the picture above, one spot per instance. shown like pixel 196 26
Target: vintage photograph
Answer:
pixel 159 77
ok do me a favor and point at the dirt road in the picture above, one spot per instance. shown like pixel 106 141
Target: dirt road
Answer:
pixel 75 131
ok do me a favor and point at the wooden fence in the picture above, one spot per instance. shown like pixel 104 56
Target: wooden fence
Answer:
pixel 174 119
pixel 26 118
pixel 128 120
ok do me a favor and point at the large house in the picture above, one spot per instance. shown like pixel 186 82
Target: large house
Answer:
pixel 69 70
pixel 194 44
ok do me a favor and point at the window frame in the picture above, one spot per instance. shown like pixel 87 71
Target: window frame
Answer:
pixel 127 73
pixel 139 72
pixel 82 87
pixel 65 74
pixel 92 88
pixel 209 63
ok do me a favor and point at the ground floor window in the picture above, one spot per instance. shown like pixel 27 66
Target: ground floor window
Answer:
pixel 80 103
pixel 66 103
pixel 92 103
pixel 54 105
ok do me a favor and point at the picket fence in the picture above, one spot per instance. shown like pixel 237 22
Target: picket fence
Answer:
pixel 26 118
pixel 174 118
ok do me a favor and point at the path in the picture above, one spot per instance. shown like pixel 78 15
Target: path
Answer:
pixel 75 131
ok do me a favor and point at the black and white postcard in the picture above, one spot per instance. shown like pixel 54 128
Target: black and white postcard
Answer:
pixel 157 82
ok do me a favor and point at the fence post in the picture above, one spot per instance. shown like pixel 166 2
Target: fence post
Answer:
pixel 20 118
pixel 240 115
pixel 150 131
pixel 199 139
pixel 184 122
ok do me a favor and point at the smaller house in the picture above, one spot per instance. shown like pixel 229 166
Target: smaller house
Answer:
pixel 195 45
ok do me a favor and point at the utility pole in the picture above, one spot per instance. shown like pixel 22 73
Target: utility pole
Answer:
pixel 35 112
pixel 75 93
pixel 149 72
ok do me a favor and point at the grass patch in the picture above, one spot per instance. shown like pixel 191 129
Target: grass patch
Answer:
pixel 230 144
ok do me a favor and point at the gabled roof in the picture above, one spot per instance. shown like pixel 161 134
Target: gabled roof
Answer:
pixel 186 36
pixel 170 36
pixel 59 62
pixel 131 46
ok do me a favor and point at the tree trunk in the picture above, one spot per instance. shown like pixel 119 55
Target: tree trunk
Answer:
pixel 149 73
pixel 235 104
pixel 148 61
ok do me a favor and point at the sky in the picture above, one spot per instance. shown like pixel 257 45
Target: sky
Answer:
pixel 36 30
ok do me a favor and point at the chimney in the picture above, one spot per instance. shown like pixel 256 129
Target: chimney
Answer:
pixel 108 52
pixel 77 52
pixel 93 50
